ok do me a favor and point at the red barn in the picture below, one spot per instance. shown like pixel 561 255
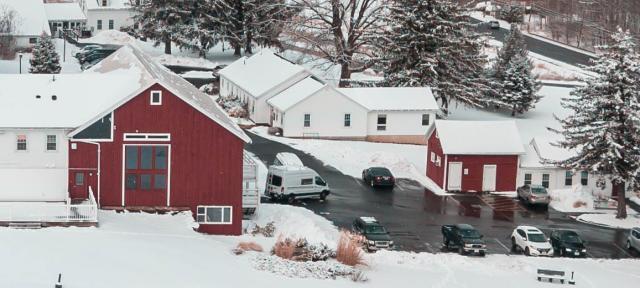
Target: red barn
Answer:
pixel 473 156
pixel 164 146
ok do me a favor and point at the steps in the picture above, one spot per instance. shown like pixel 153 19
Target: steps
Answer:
pixel 25 225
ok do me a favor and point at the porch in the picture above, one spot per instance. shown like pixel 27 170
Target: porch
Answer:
pixel 63 213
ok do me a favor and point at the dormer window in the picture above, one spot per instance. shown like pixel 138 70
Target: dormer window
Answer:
pixel 156 97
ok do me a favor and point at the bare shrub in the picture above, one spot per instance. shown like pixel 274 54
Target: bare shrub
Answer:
pixel 579 204
pixel 349 251
pixel 247 246
pixel 284 248
pixel 266 231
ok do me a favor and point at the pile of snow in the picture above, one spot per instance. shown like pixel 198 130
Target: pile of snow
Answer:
pixel 573 199
pixel 292 269
pixel 297 222
pixel 610 220
pixel 635 199
pixel 185 61
pixel 351 157
pixel 196 74
pixel 110 37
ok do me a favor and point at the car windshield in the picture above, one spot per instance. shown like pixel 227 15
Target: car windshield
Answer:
pixel 537 237
pixel 538 190
pixel 380 172
pixel 571 237
pixel 376 229
pixel 468 233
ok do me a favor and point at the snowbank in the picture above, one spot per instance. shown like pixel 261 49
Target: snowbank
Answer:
pixel 110 37
pixel 351 157
pixel 610 220
pixel 571 200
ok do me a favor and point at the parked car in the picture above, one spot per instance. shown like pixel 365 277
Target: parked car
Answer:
pixel 494 24
pixel 378 176
pixel 95 54
pixel 290 183
pixel 633 241
pixel 463 237
pixel 531 241
pixel 534 195
pixel 375 234
pixel 567 243
pixel 87 65
pixel 287 159
pixel 87 49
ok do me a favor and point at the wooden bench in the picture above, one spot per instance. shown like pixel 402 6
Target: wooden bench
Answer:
pixel 551 275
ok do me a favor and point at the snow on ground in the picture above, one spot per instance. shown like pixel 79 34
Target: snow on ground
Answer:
pixel 69 65
pixel 351 157
pixel 197 74
pixel 571 200
pixel 609 220
pixel 148 250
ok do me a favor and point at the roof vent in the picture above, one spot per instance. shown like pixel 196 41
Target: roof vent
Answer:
pixel 54 97
pixel 38 97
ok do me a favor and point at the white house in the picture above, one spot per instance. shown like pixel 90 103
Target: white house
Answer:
pixel 311 108
pixel 31 21
pixel 107 14
pixel 66 15
pixel 257 78
pixel 536 168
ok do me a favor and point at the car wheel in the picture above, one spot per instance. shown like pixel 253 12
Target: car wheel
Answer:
pixel 323 195
pixel 482 253
pixel 446 243
pixel 562 253
pixel 514 247
pixel 527 252
pixel 461 250
pixel 628 246
pixel 291 199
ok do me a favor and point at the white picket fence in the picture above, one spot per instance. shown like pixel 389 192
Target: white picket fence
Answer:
pixel 50 212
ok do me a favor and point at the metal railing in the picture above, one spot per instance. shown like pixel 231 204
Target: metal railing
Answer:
pixel 50 212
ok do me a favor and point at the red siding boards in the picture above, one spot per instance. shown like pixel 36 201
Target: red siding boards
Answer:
pixel 506 168
pixel 205 158
pixel 84 158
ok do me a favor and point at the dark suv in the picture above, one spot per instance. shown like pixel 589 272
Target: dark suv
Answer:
pixel 567 243
pixel 376 236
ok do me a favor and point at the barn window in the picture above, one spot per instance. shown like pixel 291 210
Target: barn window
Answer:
pixel 382 122
pixel 79 179
pixel 156 97
pixel 568 178
pixel 214 214
pixel 51 143
pixel 527 179
pixel 146 167
pixel 545 180
pixel 584 178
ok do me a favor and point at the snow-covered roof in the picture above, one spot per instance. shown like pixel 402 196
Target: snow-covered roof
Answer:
pixel 111 4
pixel 261 72
pixel 296 93
pixel 540 150
pixel 64 12
pixel 392 98
pixel 31 17
pixel 150 72
pixel 289 159
pixel 79 98
pixel 479 137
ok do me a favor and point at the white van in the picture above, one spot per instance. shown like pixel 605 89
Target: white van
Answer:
pixel 287 159
pixel 291 183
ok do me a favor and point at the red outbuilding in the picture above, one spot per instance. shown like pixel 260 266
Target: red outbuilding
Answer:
pixel 164 146
pixel 473 156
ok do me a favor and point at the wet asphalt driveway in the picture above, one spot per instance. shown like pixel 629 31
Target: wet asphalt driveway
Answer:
pixel 414 215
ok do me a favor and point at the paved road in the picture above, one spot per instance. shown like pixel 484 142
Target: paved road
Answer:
pixel 541 47
pixel 413 215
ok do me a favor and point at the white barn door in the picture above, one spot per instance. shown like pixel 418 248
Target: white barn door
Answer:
pixel 489 178
pixel 455 176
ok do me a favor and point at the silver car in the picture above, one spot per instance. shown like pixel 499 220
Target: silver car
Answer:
pixel 534 194
pixel 633 241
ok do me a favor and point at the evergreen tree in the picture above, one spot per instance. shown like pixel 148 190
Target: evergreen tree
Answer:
pixel 430 43
pixel 605 128
pixel 45 59
pixel 519 88
pixel 514 45
pixel 162 20
pixel 515 84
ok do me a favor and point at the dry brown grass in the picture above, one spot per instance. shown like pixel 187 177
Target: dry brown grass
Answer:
pixel 284 248
pixel 579 204
pixel 247 246
pixel 349 251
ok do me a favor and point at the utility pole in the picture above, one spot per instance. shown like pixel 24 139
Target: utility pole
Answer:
pixel 20 63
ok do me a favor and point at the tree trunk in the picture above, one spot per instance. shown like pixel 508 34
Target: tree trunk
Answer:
pixel 237 51
pixel 167 46
pixel 622 201
pixel 247 48
pixel 345 75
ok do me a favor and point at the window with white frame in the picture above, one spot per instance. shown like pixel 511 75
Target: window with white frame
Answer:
pixel 425 119
pixel 584 178
pixel 545 180
pixel 99 24
pixel 307 120
pixel 382 122
pixel 347 120
pixel 527 179
pixel 21 142
pixel 214 214
pixel 52 143
pixel 568 178
pixel 156 97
